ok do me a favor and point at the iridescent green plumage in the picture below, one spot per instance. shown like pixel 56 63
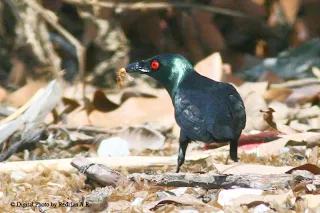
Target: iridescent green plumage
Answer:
pixel 205 110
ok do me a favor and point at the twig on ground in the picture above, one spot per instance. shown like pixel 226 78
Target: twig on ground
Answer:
pixel 31 135
pixel 296 83
pixel 98 172
pixel 86 129
pixel 213 181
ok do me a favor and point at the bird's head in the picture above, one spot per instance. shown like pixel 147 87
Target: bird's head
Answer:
pixel 168 69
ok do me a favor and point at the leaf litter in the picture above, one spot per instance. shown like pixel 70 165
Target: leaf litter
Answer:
pixel 281 136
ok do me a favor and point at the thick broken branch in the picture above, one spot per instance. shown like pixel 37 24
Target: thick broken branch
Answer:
pixel 31 135
pixel 213 181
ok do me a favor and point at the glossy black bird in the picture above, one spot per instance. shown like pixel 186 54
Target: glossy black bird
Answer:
pixel 205 110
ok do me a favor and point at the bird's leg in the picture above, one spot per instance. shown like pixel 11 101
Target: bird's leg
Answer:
pixel 183 144
pixel 234 150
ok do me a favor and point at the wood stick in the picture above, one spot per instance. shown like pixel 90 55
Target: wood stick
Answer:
pixel 213 181
pixel 133 163
pixel 98 172
pixel 137 163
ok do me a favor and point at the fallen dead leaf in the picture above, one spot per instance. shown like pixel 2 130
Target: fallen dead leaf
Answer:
pixel 309 167
pixel 310 139
pixel 211 67
pixel 312 201
pixel 71 104
pixel 268 117
pixel 185 199
pixel 140 91
pixel 275 198
pixel 272 148
pixel 251 168
pixel 134 111
pixel 314 155
pixel 303 94
pixel 119 206
pixel 102 103
pixel 3 94
pixel 22 95
pixel 277 94
pixel 290 9
pixel 141 138
pixel 270 77
pixel 277 146
pixel 282 112
pixel 254 103
pixel 248 88
pixel 226 197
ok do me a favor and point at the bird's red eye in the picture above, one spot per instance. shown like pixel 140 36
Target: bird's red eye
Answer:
pixel 155 65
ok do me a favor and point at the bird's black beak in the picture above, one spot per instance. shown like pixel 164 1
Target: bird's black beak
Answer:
pixel 137 67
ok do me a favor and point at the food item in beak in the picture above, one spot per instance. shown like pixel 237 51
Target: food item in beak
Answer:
pixel 120 75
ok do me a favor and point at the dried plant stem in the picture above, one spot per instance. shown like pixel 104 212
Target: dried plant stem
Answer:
pixel 81 50
pixel 158 5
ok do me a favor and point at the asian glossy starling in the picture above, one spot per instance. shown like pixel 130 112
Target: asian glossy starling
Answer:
pixel 206 110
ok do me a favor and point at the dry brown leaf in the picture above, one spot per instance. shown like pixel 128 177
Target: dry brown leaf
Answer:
pixel 134 111
pixel 18 74
pixel 211 67
pixel 312 201
pixel 229 77
pixel 102 103
pixel 270 77
pixel 308 167
pixel 277 94
pixel 272 148
pixel 290 9
pixel 254 103
pixel 119 206
pixel 316 72
pixel 142 90
pixel 185 199
pixel 3 94
pixel 22 95
pixel 70 104
pixel 141 138
pixel 268 117
pixel 282 112
pixel 249 87
pixel 304 94
pixel 276 198
pixel 251 168
pixel 307 138
pixel 314 155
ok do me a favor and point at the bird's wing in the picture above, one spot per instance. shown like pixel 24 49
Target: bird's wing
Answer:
pixel 189 113
pixel 228 112
pixel 219 118
pixel 211 114
pixel 237 109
